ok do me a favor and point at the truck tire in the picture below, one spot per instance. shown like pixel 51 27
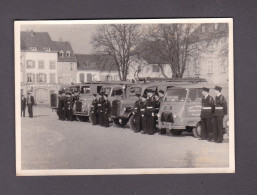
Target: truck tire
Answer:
pixel 120 122
pixel 82 118
pixel 162 131
pixel 132 123
pixel 197 130
pixel 176 132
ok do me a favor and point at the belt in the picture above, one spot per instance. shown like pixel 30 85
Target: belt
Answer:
pixel 99 104
pixel 142 109
pixel 219 108
pixel 149 107
pixel 206 108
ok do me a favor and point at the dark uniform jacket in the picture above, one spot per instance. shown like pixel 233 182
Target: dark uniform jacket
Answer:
pixel 100 104
pixel 68 103
pixel 137 107
pixel 220 106
pixel 32 101
pixel 207 107
pixel 23 103
pixel 93 108
pixel 150 106
pixel 107 107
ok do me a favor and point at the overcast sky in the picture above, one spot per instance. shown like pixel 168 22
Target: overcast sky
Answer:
pixel 78 35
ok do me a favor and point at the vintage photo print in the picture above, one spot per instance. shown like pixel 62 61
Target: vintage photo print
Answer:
pixel 105 97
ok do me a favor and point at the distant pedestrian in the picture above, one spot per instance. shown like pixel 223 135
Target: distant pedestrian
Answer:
pixel 100 114
pixel 106 111
pixel 219 113
pixel 93 110
pixel 30 103
pixel 23 105
pixel 206 115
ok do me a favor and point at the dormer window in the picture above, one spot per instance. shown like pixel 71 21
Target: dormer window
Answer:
pixel 33 48
pixel 68 54
pixel 47 48
pixel 61 53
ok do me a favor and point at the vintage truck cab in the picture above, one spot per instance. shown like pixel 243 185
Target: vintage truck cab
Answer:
pixel 181 107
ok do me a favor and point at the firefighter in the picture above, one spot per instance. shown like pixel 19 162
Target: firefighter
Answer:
pixel 68 107
pixel 106 111
pixel 219 112
pixel 150 113
pixel 30 104
pixel 206 115
pixel 93 110
pixel 59 107
pixel 143 116
pixel 136 112
pixel 62 106
pixel 157 109
pixel 100 109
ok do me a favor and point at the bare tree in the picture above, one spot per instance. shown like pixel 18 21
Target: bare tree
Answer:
pixel 116 43
pixel 174 44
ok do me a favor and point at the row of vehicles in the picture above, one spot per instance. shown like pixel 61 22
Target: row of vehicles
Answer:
pixel 179 110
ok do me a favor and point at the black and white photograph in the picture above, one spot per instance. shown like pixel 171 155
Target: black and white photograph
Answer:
pixel 122 97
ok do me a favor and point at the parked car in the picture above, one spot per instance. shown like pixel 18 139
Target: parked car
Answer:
pixel 181 107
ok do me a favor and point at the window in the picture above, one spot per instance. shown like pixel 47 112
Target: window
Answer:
pixel 215 26
pixel 175 95
pixel 68 54
pixel 52 64
pixel 47 48
pixel 197 67
pixel 203 28
pixel 30 78
pixel 210 66
pixel 134 90
pixel 195 95
pixel 117 92
pixel 61 54
pixel 33 48
pixel 40 64
pixel 102 78
pixel 115 77
pixel 41 78
pixel 156 68
pixel 85 90
pixel 30 64
pixel 52 77
pixel 82 77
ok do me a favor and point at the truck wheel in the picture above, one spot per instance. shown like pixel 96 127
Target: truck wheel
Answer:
pixel 176 132
pixel 132 124
pixel 120 122
pixel 197 130
pixel 163 131
pixel 82 118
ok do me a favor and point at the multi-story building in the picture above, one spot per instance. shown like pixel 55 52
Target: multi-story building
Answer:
pixel 89 70
pixel 66 64
pixel 38 66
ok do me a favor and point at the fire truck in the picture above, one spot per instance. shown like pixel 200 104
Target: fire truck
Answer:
pixel 115 90
pixel 181 107
pixel 121 112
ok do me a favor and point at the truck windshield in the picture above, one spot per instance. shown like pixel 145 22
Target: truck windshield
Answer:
pixel 106 90
pixel 134 90
pixel 195 95
pixel 117 92
pixel 85 90
pixel 175 95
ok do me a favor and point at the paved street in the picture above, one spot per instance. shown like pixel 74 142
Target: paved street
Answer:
pixel 48 143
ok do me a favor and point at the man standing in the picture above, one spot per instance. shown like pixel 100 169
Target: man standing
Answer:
pixel 93 110
pixel 142 112
pixel 158 105
pixel 30 103
pixel 100 109
pixel 149 112
pixel 206 115
pixel 68 107
pixel 136 112
pixel 106 111
pixel 23 105
pixel 219 113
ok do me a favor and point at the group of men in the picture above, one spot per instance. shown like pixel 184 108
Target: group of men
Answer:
pixel 65 105
pixel 145 111
pixel 212 114
pixel 100 110
pixel 29 101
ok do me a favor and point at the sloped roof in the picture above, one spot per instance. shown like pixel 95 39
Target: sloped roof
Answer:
pixel 65 47
pixel 92 62
pixel 41 40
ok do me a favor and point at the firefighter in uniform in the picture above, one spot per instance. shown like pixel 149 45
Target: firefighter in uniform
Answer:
pixel 59 107
pixel 106 111
pixel 143 116
pixel 137 114
pixel 62 106
pixel 219 112
pixel 206 115
pixel 100 109
pixel 158 105
pixel 93 110
pixel 150 113
pixel 68 107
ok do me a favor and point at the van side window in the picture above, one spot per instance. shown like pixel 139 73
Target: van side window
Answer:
pixel 195 95
pixel 117 92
